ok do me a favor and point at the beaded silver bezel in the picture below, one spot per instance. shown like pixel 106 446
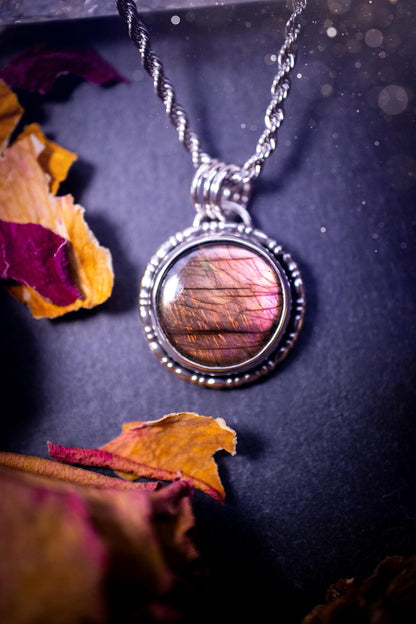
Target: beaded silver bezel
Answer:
pixel 273 353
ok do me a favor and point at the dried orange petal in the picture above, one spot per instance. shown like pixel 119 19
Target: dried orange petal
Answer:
pixel 26 199
pixel 10 113
pixel 183 441
pixel 54 159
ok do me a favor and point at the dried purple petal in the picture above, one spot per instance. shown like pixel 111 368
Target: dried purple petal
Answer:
pixel 37 257
pixel 38 68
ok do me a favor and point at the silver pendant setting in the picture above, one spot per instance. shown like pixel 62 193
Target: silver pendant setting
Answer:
pixel 221 303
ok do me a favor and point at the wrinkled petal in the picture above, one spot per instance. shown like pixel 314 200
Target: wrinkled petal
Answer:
pixel 81 554
pixel 51 559
pixel 103 459
pixel 54 159
pixel 37 257
pixel 38 68
pixel 25 198
pixel 10 114
pixel 61 472
pixel 388 595
pixel 183 441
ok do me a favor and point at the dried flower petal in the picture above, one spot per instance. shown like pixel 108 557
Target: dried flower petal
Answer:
pixel 33 167
pixel 54 159
pixel 79 554
pixel 37 257
pixel 388 595
pixel 103 459
pixel 52 560
pixel 10 113
pixel 38 68
pixel 183 441
pixel 26 199
pixel 62 472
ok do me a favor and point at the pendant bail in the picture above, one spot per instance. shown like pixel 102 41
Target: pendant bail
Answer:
pixel 219 193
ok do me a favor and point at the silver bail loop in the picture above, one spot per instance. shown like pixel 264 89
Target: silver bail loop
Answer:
pixel 219 193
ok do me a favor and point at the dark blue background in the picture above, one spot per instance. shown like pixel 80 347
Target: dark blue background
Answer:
pixel 323 483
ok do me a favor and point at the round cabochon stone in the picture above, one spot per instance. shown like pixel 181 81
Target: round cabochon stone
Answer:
pixel 220 304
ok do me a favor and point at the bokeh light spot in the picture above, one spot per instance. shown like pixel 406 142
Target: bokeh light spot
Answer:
pixel 373 38
pixel 339 6
pixel 327 90
pixel 270 59
pixel 393 99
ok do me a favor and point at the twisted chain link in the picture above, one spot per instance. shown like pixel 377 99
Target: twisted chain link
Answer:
pixel 164 89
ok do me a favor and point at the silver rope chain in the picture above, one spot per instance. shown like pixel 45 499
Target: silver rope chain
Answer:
pixel 274 116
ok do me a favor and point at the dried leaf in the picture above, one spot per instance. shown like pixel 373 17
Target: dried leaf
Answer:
pixel 26 199
pixel 37 257
pixel 10 113
pixel 54 159
pixel 183 441
pixel 78 554
pixel 38 68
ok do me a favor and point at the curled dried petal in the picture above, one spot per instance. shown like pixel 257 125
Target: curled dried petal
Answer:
pixel 53 159
pixel 10 113
pixel 104 459
pixel 37 257
pixel 26 199
pixel 38 68
pixel 62 472
pixel 183 441
pixel 82 554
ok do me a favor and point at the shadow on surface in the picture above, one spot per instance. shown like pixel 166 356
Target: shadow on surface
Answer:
pixel 21 376
pixel 126 274
pixel 245 584
pixel 124 296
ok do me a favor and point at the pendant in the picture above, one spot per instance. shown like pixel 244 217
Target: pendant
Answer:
pixel 221 303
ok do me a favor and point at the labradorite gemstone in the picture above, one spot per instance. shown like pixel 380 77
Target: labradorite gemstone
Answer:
pixel 220 303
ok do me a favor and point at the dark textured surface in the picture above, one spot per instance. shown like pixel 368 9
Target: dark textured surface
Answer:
pixel 322 485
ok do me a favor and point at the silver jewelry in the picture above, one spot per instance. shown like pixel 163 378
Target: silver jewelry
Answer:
pixel 221 303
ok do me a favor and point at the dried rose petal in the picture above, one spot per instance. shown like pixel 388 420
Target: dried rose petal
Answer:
pixel 10 113
pixel 52 560
pixel 103 459
pixel 26 199
pixel 60 472
pixel 34 167
pixel 387 596
pixel 38 68
pixel 54 159
pixel 37 257
pixel 183 441
pixel 79 554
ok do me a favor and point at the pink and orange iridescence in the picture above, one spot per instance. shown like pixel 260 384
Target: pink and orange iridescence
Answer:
pixel 219 304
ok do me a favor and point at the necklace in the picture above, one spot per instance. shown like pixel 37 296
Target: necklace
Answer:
pixel 221 303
